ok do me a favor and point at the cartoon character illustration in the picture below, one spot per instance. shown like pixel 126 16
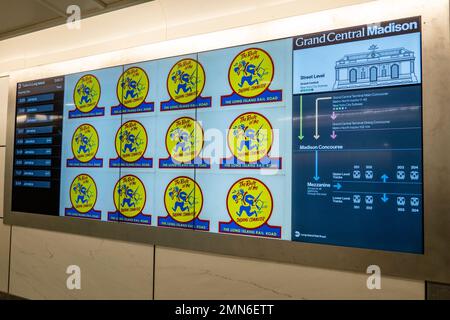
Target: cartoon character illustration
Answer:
pixel 130 196
pixel 185 81
pixel 84 143
pixel 183 201
pixel 132 87
pixel 250 139
pixel 83 193
pixel 250 73
pixel 131 142
pixel 182 138
pixel 250 204
pixel 86 93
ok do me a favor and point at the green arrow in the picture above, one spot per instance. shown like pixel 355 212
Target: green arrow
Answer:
pixel 301 136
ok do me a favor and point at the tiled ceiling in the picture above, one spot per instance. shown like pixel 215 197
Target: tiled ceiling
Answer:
pixel 19 17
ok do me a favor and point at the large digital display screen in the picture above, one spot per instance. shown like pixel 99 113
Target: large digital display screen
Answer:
pixel 315 138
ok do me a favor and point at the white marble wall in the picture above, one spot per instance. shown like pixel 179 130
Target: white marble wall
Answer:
pixel 4 81
pixel 2 178
pixel 109 269
pixel 159 20
pixel 3 109
pixel 118 270
pixel 191 275
pixel 4 256
pixel 4 230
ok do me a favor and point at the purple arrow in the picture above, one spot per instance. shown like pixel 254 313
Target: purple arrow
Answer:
pixel 333 115
pixel 334 135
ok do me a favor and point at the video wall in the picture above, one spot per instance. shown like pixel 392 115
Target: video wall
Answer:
pixel 315 138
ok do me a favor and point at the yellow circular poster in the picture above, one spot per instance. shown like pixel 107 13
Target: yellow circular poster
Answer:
pixel 251 72
pixel 85 143
pixel 186 81
pixel 183 199
pixel 132 87
pixel 249 203
pixel 184 139
pixel 86 94
pixel 129 196
pixel 250 137
pixel 83 193
pixel 131 141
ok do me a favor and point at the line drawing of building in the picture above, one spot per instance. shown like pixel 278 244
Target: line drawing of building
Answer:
pixel 375 68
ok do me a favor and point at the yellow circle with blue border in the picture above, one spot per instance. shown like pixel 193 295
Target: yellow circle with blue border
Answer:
pixel 183 199
pixel 129 196
pixel 83 193
pixel 249 203
pixel 251 72
pixel 131 141
pixel 184 139
pixel 250 137
pixel 86 94
pixel 132 87
pixel 85 143
pixel 186 80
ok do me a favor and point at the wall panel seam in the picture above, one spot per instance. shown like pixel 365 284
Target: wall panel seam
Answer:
pixel 9 258
pixel 154 272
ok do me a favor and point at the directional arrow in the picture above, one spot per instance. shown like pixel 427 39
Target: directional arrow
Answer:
pixel 384 177
pixel 301 136
pixel 333 135
pixel 316 175
pixel 317 136
pixel 384 198
pixel 338 186
pixel 333 115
